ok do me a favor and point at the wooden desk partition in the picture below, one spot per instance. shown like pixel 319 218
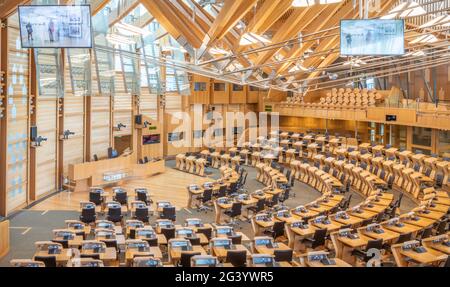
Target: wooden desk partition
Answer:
pixel 90 174
pixel 4 238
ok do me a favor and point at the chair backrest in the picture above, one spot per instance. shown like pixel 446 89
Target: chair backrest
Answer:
pixel 114 211
pixel 260 204
pixel 152 242
pixel 142 214
pixel 207 195
pixel 95 197
pixel 278 229
pixel 195 241
pixel 64 243
pixel 169 213
pixel 426 232
pixel 237 258
pixel 169 233
pixel 121 197
pixel 283 255
pixel 111 243
pixel 367 222
pixel 88 215
pixel 236 209
pixel 376 243
pixel 441 228
pixel 207 231
pixel 288 174
pixel 236 238
pixel 404 237
pixel 185 260
pixel 49 261
pixel 142 196
pixel 222 191
pixel 275 198
pixel 319 237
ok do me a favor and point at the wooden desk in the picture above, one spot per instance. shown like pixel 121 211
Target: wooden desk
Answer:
pixel 339 263
pixel 4 238
pixel 110 254
pixel 429 257
pixel 439 247
pixel 221 252
pixel 270 251
pixel 435 215
pixel 352 220
pixel 75 242
pixel 365 214
pixel 330 227
pixel 406 228
pixel 153 251
pixel 90 174
pixel 387 236
pixel 175 253
pixel 61 258
pixel 421 222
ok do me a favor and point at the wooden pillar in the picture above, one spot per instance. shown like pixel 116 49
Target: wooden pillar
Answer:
pixel 4 118
pixel 32 100
pixel 60 126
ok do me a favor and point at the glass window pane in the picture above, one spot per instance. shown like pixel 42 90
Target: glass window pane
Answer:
pixel 421 136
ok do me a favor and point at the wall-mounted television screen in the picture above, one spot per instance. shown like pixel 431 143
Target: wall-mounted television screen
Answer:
pixel 55 26
pixel 372 37
pixel 173 137
pixel 151 139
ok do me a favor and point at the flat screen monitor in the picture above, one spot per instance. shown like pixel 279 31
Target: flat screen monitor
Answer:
pixel 55 26
pixel 372 37
pixel 151 139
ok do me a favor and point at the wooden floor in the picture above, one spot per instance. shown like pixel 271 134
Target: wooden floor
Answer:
pixel 170 185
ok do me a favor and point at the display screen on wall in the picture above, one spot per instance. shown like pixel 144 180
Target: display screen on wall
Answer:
pixel 173 137
pixel 55 26
pixel 372 37
pixel 151 139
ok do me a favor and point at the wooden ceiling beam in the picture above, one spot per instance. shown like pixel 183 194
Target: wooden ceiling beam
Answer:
pixel 268 14
pixel 173 23
pixel 230 14
pixel 296 23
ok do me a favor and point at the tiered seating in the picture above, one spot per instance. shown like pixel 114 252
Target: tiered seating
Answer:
pixel 341 99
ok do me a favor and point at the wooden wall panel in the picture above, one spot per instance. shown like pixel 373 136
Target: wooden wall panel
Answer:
pixel 46 153
pixel 122 107
pixel 17 122
pixel 101 126
pixel 73 151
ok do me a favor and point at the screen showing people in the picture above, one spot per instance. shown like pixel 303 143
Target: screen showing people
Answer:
pixel 372 37
pixel 53 26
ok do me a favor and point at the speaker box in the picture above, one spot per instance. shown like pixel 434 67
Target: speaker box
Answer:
pixel 33 133
pixel 138 119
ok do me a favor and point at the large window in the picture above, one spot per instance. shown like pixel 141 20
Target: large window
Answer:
pixel 444 143
pixel 421 136
pixel 219 87
pixel 238 88
pixel 199 86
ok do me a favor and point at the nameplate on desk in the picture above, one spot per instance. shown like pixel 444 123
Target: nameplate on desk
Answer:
pixel 114 176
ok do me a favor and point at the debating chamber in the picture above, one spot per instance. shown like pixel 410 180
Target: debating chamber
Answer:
pixel 224 133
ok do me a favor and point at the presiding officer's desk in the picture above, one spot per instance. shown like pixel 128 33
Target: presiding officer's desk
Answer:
pixel 111 171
